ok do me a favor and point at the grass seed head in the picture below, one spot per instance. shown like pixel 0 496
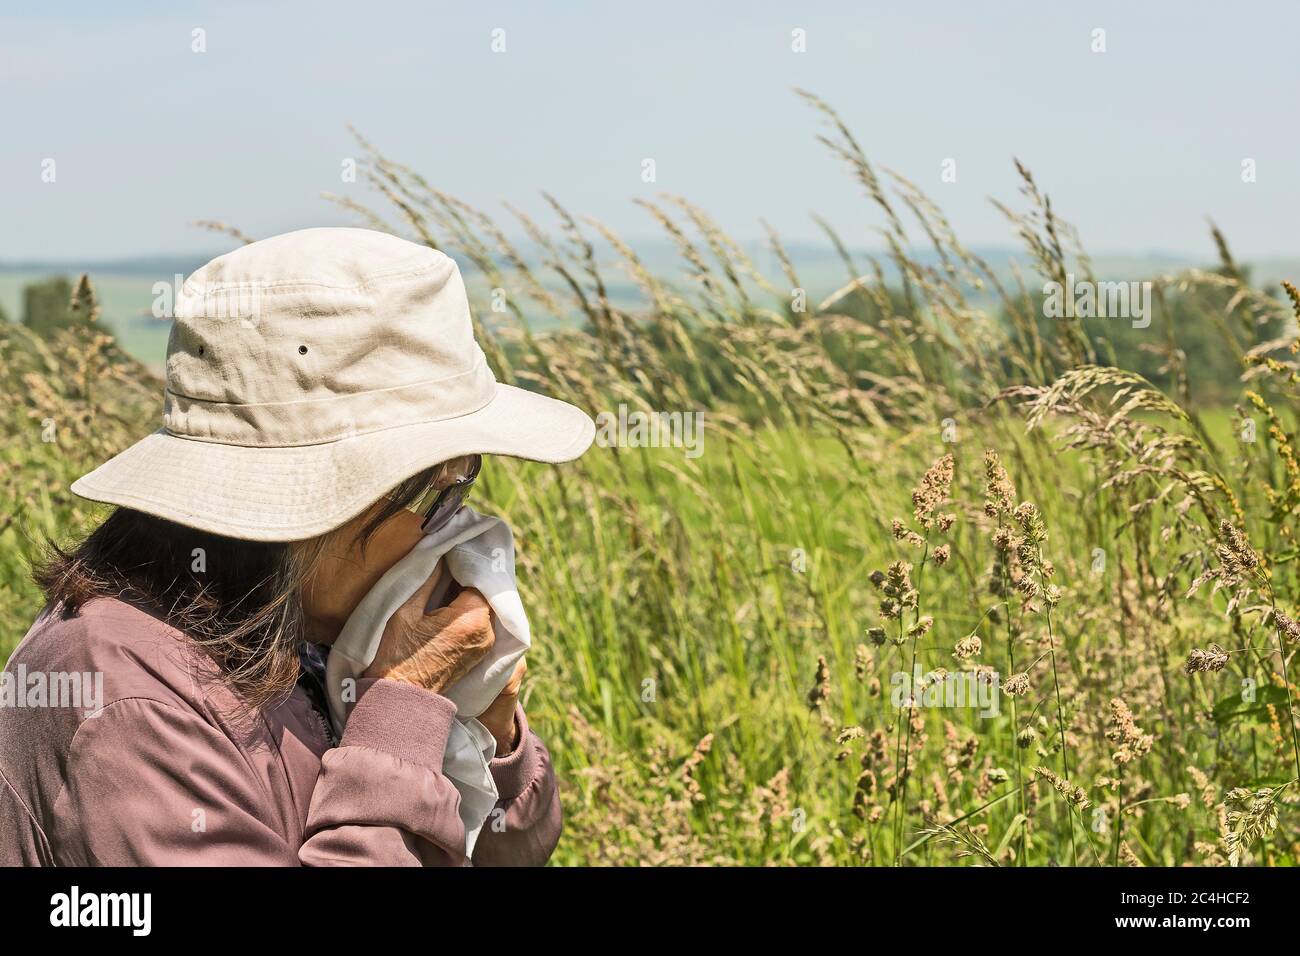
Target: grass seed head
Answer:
pixel 999 492
pixel 1286 626
pixel 1016 685
pixel 1132 742
pixel 1075 795
pixel 933 491
pixel 1213 658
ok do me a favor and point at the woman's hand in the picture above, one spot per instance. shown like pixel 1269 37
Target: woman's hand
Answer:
pixel 434 650
pixel 500 715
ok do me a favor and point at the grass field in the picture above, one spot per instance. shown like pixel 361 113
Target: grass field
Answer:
pixel 894 480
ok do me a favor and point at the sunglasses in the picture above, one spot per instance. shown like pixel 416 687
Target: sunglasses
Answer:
pixel 438 506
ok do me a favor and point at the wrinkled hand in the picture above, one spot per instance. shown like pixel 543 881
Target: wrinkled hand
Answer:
pixel 434 650
pixel 500 715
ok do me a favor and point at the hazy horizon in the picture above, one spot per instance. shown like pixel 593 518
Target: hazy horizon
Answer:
pixel 137 264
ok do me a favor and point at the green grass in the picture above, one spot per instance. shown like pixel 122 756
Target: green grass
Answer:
pixel 704 667
pixel 698 596
pixel 668 606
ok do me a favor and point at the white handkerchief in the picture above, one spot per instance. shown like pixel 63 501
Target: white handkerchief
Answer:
pixel 480 554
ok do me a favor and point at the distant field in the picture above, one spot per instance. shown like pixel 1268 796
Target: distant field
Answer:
pixel 126 298
pixel 125 301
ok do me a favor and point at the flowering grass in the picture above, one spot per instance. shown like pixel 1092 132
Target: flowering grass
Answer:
pixel 895 480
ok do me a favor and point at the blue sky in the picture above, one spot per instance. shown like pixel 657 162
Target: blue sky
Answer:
pixel 1136 145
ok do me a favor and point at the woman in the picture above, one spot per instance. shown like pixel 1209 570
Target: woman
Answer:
pixel 326 405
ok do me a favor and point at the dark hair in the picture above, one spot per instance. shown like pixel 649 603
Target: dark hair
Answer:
pixel 238 601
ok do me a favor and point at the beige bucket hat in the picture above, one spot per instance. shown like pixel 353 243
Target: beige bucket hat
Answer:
pixel 308 374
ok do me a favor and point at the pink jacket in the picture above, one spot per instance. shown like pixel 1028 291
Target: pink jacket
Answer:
pixel 165 774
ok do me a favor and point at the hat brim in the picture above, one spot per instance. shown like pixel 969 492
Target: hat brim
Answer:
pixel 298 492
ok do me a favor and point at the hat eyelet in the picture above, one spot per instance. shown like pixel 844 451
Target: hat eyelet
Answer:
pixel 302 350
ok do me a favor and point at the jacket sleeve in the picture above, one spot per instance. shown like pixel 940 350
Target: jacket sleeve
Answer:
pixel 149 783
pixel 381 797
pixel 525 826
